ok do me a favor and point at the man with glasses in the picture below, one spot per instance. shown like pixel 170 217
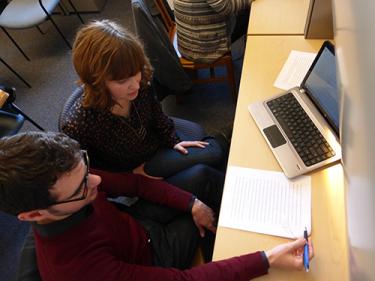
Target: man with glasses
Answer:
pixel 79 235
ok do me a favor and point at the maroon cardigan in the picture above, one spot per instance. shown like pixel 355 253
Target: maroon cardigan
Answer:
pixel 110 245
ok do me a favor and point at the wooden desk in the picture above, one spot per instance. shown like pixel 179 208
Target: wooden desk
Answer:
pixel 264 57
pixel 269 17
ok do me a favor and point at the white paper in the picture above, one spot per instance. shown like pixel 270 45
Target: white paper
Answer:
pixel 294 70
pixel 266 202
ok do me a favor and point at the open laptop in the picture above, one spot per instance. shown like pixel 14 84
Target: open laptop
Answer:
pixel 301 125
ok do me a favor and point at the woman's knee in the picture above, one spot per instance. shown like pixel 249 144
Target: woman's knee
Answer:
pixel 198 179
pixel 214 152
pixel 201 171
pixel 208 176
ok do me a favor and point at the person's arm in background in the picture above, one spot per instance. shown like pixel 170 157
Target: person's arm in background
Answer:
pixel 228 7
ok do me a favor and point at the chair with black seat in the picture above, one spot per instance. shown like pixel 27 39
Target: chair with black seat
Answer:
pixel 21 14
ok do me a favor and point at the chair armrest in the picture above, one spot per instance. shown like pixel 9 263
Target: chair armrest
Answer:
pixel 10 123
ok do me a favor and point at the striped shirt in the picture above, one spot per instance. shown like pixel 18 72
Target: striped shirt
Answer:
pixel 204 27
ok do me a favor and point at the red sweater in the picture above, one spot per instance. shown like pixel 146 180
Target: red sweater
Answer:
pixel 111 246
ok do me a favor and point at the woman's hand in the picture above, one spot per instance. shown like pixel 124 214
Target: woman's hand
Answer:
pixel 140 170
pixel 289 255
pixel 181 145
pixel 203 217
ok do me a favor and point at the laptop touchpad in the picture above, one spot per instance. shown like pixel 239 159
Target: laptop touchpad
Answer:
pixel 274 136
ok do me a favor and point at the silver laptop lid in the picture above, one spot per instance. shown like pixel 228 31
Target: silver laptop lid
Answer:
pixel 320 85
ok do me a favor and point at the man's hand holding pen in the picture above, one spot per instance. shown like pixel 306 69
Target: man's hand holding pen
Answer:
pixel 289 255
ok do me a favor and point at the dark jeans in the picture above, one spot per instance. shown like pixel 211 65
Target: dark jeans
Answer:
pixel 174 236
pixel 167 162
pixel 204 182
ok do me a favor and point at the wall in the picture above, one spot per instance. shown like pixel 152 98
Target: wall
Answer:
pixel 355 49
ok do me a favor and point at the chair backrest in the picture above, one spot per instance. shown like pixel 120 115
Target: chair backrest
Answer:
pixel 68 105
pixel 167 68
pixel 10 123
pixel 20 14
pixel 170 26
pixel 168 21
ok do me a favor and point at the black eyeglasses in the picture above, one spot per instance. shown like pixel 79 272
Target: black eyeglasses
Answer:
pixel 83 184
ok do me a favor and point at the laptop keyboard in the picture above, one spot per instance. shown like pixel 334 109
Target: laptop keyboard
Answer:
pixel 309 143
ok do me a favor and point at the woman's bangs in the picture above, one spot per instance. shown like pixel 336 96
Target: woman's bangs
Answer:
pixel 126 63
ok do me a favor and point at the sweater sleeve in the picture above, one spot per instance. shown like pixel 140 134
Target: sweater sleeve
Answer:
pixel 228 7
pixel 157 191
pixel 240 268
pixel 164 126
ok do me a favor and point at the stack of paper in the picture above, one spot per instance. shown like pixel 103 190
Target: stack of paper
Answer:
pixel 266 202
pixel 294 70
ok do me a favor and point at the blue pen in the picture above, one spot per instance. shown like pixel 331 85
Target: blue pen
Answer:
pixel 306 261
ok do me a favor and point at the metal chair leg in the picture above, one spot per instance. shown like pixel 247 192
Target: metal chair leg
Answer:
pixel 62 9
pixel 15 43
pixel 40 30
pixel 76 11
pixel 18 110
pixel 15 73
pixel 55 25
pixel 59 31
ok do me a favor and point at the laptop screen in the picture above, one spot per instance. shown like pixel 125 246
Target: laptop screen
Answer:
pixel 321 85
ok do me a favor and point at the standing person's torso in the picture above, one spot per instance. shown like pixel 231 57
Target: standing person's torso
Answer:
pixel 204 27
pixel 203 33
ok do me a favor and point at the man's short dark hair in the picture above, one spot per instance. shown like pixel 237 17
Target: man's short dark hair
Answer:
pixel 30 164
